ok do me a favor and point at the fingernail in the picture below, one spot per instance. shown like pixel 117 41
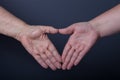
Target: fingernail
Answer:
pixel 59 66
pixel 75 64
pixel 68 68
pixel 63 68
pixel 46 67
pixel 54 69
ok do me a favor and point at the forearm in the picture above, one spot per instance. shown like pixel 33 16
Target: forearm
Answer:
pixel 9 24
pixel 108 23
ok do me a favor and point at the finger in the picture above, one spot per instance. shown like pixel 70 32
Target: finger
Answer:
pixel 49 29
pixel 67 59
pixel 55 53
pixel 65 51
pixel 50 65
pixel 40 61
pixel 47 61
pixel 33 51
pixel 68 30
pixel 38 58
pixel 81 54
pixel 52 59
pixel 73 58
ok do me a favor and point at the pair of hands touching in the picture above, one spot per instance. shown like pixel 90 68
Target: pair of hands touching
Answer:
pixel 83 36
pixel 37 43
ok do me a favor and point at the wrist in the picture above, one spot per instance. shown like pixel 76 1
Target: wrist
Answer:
pixel 20 31
pixel 96 27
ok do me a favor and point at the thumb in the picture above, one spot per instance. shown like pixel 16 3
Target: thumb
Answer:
pixel 49 29
pixel 68 30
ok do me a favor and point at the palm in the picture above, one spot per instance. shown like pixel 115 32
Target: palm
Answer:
pixel 40 47
pixel 82 38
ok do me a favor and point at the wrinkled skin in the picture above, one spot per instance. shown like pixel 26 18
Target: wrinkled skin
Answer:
pixel 36 42
pixel 82 38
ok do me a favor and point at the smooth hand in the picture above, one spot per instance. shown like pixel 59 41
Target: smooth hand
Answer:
pixel 36 42
pixel 82 39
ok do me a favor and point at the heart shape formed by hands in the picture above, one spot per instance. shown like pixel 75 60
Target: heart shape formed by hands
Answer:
pixel 36 42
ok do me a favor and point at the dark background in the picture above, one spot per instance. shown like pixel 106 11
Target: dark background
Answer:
pixel 101 62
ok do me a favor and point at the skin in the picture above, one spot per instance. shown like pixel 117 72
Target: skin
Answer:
pixel 36 42
pixel 85 34
pixel 33 38
pixel 83 37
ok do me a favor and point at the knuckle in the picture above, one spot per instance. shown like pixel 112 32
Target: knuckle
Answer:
pixel 74 56
pixel 49 55
pixel 53 60
pixel 44 57
pixel 68 57
pixel 48 30
pixel 55 53
pixel 36 57
pixel 67 60
pixel 41 50
pixel 77 46
pixel 71 62
pixel 47 61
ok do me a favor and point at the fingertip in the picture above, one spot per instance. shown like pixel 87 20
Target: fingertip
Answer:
pixel 62 31
pixel 75 64
pixel 45 67
pixel 63 68
pixel 68 30
pixel 68 68
pixel 59 66
pixel 54 69
pixel 50 29
pixel 56 30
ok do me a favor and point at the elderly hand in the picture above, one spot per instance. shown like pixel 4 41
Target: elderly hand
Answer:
pixel 82 39
pixel 36 42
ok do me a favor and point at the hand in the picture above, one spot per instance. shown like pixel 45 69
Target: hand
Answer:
pixel 82 39
pixel 36 42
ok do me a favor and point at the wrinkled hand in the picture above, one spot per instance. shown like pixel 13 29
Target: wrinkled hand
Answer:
pixel 82 39
pixel 36 42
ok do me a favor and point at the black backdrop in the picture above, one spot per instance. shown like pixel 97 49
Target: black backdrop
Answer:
pixel 101 62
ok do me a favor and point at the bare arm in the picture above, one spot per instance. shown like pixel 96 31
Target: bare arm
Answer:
pixel 9 24
pixel 85 34
pixel 108 23
pixel 33 38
